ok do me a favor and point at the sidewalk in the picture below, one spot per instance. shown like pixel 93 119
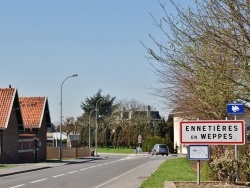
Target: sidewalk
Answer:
pixel 27 167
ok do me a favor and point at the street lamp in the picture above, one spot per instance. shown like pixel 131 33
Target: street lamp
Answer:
pixel 89 125
pixel 60 153
pixel 96 126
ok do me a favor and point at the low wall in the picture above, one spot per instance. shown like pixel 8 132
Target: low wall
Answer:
pixel 54 152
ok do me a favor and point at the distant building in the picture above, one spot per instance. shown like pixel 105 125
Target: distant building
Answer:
pixel 153 115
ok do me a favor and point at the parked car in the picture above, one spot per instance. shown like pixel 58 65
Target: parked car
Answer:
pixel 160 149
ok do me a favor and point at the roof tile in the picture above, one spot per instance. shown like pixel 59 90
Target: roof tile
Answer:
pixel 7 96
pixel 32 109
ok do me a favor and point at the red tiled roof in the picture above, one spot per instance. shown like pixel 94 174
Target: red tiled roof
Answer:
pixel 32 109
pixel 7 96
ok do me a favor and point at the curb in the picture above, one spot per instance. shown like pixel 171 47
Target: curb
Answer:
pixel 46 167
pixel 24 171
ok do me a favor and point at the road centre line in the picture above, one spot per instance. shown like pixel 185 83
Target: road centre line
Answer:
pixel 39 180
pixel 72 172
pixel 58 175
pixel 68 173
pixel 17 186
pixel 83 169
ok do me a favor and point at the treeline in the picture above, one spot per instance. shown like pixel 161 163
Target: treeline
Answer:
pixel 118 123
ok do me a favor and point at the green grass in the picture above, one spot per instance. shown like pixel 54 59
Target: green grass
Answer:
pixel 179 169
pixel 6 166
pixel 115 150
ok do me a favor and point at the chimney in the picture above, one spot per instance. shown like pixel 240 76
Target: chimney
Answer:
pixel 9 86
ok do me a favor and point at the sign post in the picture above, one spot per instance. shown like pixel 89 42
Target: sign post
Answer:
pixel 139 140
pixel 235 109
pixel 198 152
pixel 210 132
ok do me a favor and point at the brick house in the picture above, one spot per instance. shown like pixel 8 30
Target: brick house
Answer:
pixel 11 124
pixel 36 120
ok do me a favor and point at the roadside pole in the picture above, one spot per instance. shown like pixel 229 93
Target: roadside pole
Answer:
pixel 198 172
pixel 139 141
pixel 198 153
pixel 236 157
pixel 235 109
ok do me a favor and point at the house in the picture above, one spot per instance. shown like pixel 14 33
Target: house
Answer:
pixel 36 120
pixel 53 138
pixel 11 124
pixel 153 115
pixel 73 140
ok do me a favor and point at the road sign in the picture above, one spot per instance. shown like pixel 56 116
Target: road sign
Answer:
pixel 198 152
pixel 235 108
pixel 223 132
pixel 139 139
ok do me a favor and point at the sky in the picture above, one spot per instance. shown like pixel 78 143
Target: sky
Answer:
pixel 44 42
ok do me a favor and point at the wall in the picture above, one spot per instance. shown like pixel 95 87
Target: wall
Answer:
pixel 182 149
pixel 53 153
pixel 26 150
pixel 42 135
pixel 10 140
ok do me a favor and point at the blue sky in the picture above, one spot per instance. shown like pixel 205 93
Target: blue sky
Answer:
pixel 43 42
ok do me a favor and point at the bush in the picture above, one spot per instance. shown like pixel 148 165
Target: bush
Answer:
pixel 226 169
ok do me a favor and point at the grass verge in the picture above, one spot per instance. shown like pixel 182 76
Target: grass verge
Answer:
pixel 179 169
pixel 6 166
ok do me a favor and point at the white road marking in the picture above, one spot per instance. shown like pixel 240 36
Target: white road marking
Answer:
pixel 77 171
pixel 58 175
pixel 72 172
pixel 83 169
pixel 17 186
pixel 39 180
pixel 119 176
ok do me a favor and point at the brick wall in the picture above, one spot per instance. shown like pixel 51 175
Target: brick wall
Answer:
pixel 53 152
pixel 10 140
pixel 42 134
pixel 26 157
pixel 26 150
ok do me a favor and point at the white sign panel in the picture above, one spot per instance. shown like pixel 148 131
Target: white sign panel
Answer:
pixel 223 132
pixel 139 139
pixel 198 152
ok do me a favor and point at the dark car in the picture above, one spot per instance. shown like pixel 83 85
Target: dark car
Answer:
pixel 160 149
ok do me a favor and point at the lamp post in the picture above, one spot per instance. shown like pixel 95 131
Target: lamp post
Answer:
pixel 60 153
pixel 96 126
pixel 89 125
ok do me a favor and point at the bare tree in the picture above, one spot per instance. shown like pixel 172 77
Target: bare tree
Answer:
pixel 204 59
pixel 69 126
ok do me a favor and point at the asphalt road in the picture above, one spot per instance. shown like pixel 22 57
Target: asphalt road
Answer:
pixel 111 171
